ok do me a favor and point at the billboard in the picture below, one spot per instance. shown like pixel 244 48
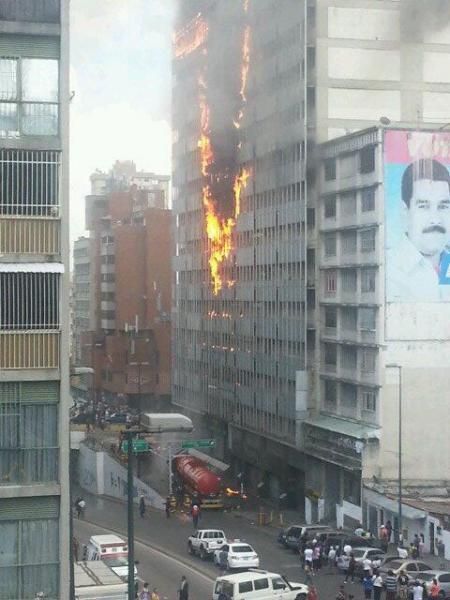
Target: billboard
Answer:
pixel 417 215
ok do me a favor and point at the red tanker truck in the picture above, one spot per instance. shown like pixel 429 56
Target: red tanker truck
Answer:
pixel 196 479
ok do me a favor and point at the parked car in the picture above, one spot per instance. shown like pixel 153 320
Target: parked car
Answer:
pixel 118 417
pixel 443 579
pixel 413 568
pixel 236 555
pixel 339 539
pixel 363 556
pixel 83 418
pixel 295 532
pixel 257 584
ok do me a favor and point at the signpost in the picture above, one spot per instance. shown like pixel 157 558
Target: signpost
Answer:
pixel 198 444
pixel 137 446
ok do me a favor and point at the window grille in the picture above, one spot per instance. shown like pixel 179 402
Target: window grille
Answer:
pixel 29 301
pixel 29 183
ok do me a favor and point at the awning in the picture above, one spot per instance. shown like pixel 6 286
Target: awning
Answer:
pixel 214 462
pixel 344 427
pixel 53 267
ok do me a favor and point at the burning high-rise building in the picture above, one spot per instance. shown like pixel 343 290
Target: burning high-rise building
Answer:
pixel 257 83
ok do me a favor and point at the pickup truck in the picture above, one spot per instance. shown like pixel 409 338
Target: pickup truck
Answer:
pixel 205 542
pixel 257 584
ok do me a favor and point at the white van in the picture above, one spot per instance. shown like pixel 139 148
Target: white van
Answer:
pixel 257 584
pixel 113 551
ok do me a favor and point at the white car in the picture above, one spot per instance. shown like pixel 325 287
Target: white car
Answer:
pixel 257 584
pixel 236 555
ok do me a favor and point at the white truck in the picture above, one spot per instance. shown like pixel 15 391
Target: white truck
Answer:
pixel 94 579
pixel 257 584
pixel 205 542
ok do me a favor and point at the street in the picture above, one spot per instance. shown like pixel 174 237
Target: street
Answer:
pixel 163 558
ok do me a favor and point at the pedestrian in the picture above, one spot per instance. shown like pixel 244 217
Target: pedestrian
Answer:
pixel 347 549
pixel 316 557
pixel 421 544
pixel 308 557
pixel 331 558
pixel 416 543
pixel 367 586
pixel 388 531
pixel 312 593
pixel 145 593
pixel 417 593
pixel 155 595
pixel 435 589
pixel 195 511
pixel 341 595
pixel 402 581
pixel 142 506
pixel 377 586
pixel 167 507
pixel 383 538
pixel 308 574
pixel 183 592
pixel 391 585
pixel 351 569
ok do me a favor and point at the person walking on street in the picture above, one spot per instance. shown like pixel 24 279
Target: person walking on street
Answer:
pixel 145 593
pixel 402 581
pixel 367 586
pixel 312 593
pixel 388 531
pixel 377 586
pixel 435 589
pixel 183 592
pixel 417 591
pixel 167 507
pixel 351 569
pixel 195 511
pixel 308 557
pixel 331 559
pixel 308 574
pixel 142 506
pixel 391 585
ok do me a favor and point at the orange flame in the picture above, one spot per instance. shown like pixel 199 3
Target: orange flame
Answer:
pixel 240 182
pixel 245 63
pixel 191 37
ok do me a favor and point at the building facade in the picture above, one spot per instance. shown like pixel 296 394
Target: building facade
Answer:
pixel 34 299
pixel 124 321
pixel 245 307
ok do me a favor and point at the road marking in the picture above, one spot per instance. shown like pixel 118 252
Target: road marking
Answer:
pixel 159 551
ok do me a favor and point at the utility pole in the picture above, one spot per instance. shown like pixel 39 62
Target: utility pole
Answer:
pixel 130 524
pixel 400 477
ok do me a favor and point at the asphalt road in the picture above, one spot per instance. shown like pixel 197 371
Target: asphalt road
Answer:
pixel 161 548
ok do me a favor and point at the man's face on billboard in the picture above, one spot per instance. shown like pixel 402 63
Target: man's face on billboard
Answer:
pixel 429 216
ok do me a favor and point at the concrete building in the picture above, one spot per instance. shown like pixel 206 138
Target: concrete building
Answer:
pixel 381 329
pixel 34 299
pixel 297 74
pixel 124 323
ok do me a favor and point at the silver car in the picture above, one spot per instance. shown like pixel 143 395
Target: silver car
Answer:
pixel 443 579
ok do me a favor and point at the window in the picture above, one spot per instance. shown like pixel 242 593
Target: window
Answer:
pixel 352 488
pixel 349 280
pixel 367 159
pixel 368 360
pixel 28 433
pixel 369 400
pixel 367 240
pixel 367 319
pixel 330 282
pixel 330 317
pixel 311 217
pixel 349 357
pixel 28 96
pixel 330 394
pixel 348 241
pixel 261 584
pixel 329 207
pixel 279 584
pixel 349 318
pixel 29 548
pixel 367 199
pixel 368 279
pixel 329 243
pixel 330 169
pixel 29 301
pixel 348 399
pixel 245 586
pixel 348 204
pixel 330 355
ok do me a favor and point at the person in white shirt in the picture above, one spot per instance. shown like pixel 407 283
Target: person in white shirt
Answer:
pixel 377 586
pixel 331 558
pixel 417 591
pixel 359 531
pixel 367 565
pixel 402 552
pixel 308 554
pixel 418 267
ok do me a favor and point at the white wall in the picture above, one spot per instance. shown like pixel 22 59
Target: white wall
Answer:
pixel 100 474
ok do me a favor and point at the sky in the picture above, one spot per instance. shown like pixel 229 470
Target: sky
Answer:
pixel 120 76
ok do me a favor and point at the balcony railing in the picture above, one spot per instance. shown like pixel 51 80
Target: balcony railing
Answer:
pixel 29 235
pixel 29 350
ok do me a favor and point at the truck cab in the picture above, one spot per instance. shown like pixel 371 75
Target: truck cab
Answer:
pixel 113 551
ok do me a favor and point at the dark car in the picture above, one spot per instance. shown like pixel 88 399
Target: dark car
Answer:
pixel 83 418
pixel 118 417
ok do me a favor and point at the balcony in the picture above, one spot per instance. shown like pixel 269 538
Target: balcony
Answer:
pixel 29 350
pixel 29 235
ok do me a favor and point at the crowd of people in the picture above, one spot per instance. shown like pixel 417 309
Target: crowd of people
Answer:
pixel 146 594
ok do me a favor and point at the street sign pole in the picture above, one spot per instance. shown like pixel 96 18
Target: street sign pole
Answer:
pixel 131 592
pixel 169 452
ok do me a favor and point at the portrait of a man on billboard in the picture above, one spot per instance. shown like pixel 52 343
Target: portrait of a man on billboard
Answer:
pixel 417 209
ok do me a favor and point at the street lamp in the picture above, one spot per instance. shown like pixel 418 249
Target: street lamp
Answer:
pixel 400 524
pixel 150 423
